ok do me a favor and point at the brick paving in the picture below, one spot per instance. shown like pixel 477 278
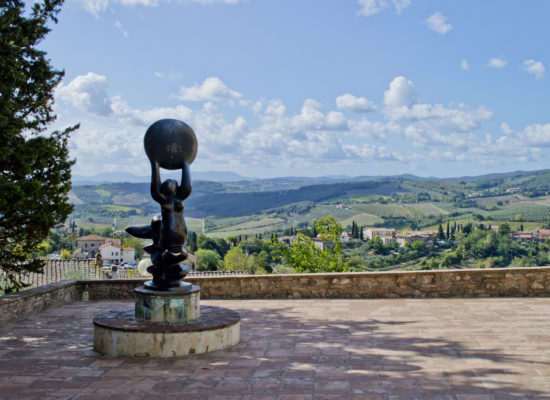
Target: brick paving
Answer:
pixel 461 349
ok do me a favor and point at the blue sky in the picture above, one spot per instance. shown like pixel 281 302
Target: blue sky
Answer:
pixel 309 88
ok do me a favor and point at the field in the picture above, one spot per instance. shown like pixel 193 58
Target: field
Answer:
pixel 361 219
pixel 254 225
pixel 400 210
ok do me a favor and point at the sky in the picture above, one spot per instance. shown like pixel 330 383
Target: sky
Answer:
pixel 308 87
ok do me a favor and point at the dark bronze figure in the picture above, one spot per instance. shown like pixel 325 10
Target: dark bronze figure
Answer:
pixel 169 144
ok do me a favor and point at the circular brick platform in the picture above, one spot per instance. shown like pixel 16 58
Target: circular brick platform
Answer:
pixel 118 333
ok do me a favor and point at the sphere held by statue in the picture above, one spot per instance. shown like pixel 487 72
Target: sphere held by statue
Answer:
pixel 170 142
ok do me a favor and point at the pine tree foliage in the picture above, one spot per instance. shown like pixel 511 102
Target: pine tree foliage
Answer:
pixel 35 169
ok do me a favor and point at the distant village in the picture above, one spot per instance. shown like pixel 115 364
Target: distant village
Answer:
pixel 390 235
pixel 110 249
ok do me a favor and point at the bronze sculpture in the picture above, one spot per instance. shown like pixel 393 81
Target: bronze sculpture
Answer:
pixel 170 144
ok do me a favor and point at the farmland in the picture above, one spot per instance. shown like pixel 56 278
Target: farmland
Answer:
pixel 229 209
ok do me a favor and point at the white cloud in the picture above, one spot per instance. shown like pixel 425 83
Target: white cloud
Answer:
pixel 534 67
pixel 273 136
pixel 206 2
pixel 373 130
pixel 400 93
pixel 535 134
pixel 368 152
pixel 437 22
pixel 354 104
pixel 428 125
pixel 436 116
pixel 371 7
pixel 87 92
pixel 118 25
pixel 211 89
pixel 464 65
pixel 171 76
pixel 506 129
pixel 497 62
pixel 97 6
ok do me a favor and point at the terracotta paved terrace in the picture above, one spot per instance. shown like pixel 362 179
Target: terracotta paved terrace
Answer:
pixel 463 349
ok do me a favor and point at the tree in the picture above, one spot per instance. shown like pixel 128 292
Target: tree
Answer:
pixel 65 254
pixel 35 176
pixel 222 247
pixel 207 260
pixel 305 256
pixel 192 242
pixel 440 233
pixel 419 246
pixel 504 229
pixel 234 259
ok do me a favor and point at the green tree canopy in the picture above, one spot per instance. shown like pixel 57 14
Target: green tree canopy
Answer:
pixel 35 176
pixel 234 259
pixel 305 256
pixel 207 260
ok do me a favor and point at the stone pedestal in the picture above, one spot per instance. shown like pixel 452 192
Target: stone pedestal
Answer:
pixel 155 306
pixel 118 333
pixel 165 324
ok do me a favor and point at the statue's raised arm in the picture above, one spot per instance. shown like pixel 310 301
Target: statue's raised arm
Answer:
pixel 184 189
pixel 156 194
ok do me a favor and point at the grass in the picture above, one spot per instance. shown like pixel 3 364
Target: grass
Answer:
pixel 361 219
pixel 534 213
pixel 398 210
pixel 103 193
pixel 120 208
pixel 370 198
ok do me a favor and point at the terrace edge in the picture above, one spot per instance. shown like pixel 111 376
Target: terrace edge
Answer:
pixel 466 283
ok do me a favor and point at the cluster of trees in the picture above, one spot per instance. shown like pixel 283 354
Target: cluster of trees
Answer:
pixel 479 246
pixel 252 255
pixel 356 231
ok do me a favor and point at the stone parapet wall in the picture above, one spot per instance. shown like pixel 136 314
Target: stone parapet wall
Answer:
pixel 414 284
pixel 35 300
pixel 112 289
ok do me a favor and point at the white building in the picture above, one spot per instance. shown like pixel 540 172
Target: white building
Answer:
pixel 114 252
pixel 91 244
pixel 371 233
pixel 386 234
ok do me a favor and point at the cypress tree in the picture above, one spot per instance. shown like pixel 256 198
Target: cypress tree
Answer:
pixel 440 234
pixel 35 176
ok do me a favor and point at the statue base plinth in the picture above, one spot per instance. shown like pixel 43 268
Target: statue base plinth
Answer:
pixel 181 287
pixel 165 324
pixel 118 333
pixel 170 306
